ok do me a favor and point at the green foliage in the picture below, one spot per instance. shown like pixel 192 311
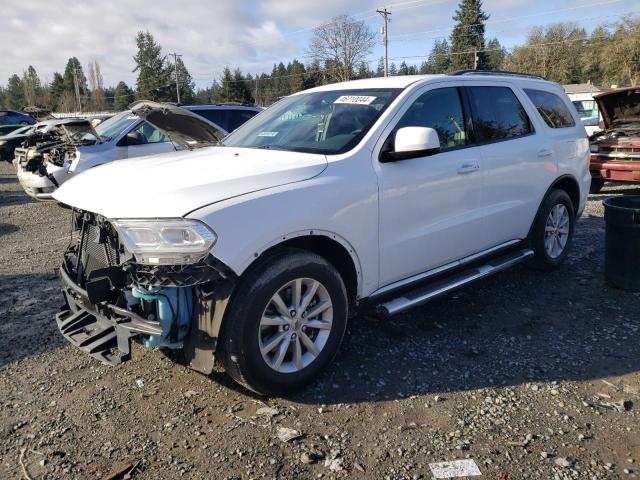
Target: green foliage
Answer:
pixel 14 94
pixel 154 74
pixel 122 96
pixel 468 36
pixel 73 64
pixel 56 89
pixel 439 60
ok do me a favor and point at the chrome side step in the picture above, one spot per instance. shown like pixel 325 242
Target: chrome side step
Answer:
pixel 424 294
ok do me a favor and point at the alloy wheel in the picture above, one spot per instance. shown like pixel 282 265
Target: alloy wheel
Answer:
pixel 295 325
pixel 556 232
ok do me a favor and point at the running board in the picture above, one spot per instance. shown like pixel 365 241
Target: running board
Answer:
pixel 424 294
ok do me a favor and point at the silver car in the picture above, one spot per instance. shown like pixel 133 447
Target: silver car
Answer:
pixel 73 145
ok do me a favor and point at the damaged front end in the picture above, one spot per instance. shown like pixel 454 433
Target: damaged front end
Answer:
pixel 43 160
pixel 114 294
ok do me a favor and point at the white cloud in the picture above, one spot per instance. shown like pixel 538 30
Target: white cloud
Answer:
pixel 251 34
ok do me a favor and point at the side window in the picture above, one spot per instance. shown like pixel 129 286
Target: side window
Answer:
pixel 498 114
pixel 151 134
pixel 551 108
pixel 441 110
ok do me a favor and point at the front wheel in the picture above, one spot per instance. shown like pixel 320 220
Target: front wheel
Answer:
pixel 552 233
pixel 285 323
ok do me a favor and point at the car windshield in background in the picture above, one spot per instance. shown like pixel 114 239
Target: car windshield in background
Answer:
pixel 330 122
pixel 588 111
pixel 113 126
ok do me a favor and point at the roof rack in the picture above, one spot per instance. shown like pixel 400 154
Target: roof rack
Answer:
pixel 498 73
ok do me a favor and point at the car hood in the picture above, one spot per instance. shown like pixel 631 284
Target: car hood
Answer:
pixel 183 127
pixel 620 108
pixel 177 183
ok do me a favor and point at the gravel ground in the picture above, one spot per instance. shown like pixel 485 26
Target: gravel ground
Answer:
pixel 532 375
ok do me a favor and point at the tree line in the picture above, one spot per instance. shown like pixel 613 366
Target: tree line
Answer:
pixel 338 51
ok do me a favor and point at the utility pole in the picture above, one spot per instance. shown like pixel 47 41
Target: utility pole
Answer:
pixel 76 86
pixel 385 14
pixel 475 58
pixel 175 63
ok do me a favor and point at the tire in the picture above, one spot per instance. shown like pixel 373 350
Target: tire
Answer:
pixel 596 185
pixel 548 256
pixel 245 333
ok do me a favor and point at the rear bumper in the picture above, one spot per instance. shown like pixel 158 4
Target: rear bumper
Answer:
pixel 619 171
pixel 102 331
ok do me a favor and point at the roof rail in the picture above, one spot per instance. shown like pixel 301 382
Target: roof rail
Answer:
pixel 497 72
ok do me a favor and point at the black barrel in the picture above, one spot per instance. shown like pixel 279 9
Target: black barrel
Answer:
pixel 622 242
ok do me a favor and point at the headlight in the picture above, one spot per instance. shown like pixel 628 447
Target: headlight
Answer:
pixel 171 241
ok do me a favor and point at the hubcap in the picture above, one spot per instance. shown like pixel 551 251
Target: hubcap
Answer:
pixel 295 325
pixel 556 234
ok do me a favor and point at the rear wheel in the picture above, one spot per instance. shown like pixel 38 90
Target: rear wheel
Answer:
pixel 285 323
pixel 596 185
pixel 552 233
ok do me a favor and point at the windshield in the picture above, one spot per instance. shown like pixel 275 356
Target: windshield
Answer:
pixel 114 126
pixel 329 122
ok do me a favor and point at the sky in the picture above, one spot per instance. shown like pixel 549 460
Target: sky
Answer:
pixel 250 34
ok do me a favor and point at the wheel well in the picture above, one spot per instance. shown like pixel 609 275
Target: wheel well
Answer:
pixel 332 251
pixel 570 186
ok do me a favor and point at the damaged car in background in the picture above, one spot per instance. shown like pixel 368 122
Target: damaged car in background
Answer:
pixel 67 147
pixel 615 150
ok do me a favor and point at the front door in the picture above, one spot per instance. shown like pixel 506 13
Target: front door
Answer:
pixel 430 207
pixel 153 141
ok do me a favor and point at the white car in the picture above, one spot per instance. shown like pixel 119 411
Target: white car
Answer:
pixel 51 160
pixel 383 192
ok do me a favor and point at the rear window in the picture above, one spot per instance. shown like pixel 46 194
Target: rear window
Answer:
pixel 498 114
pixel 551 108
pixel 227 118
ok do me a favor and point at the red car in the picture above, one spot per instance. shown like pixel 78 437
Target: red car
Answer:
pixel 615 151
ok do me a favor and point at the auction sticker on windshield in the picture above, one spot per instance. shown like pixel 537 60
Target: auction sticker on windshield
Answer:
pixel 267 134
pixel 355 99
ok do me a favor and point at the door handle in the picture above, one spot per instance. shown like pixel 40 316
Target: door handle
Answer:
pixel 469 168
pixel 545 152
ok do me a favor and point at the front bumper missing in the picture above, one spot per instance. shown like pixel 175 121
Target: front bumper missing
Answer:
pixel 103 332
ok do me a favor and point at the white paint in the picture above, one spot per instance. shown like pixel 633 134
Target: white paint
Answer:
pixel 455 468
pixel 395 219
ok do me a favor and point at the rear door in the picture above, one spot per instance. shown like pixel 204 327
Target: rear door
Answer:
pixel 516 159
pixel 430 206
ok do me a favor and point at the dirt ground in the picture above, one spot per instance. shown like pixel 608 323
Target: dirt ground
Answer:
pixel 531 375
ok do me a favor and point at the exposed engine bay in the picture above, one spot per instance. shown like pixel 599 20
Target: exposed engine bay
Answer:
pixel 56 144
pixel 111 298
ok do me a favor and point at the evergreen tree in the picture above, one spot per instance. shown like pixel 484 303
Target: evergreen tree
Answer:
pixel 295 74
pixel 154 75
pixel 56 89
pixel 122 96
pixel 364 71
pixel 393 70
pixel 14 94
pixel 73 64
pixel 185 82
pixel 31 86
pixel 380 68
pixel 2 97
pixel 468 36
pixel 439 60
pixel 495 54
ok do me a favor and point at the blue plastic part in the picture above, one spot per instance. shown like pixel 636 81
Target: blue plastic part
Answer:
pixel 174 305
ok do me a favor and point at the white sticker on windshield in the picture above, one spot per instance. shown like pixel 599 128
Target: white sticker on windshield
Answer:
pixel 267 134
pixel 131 117
pixel 355 99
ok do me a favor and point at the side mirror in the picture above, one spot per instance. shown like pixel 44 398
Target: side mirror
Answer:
pixel 134 138
pixel 412 142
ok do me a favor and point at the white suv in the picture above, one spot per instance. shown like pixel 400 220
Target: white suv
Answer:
pixel 383 192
